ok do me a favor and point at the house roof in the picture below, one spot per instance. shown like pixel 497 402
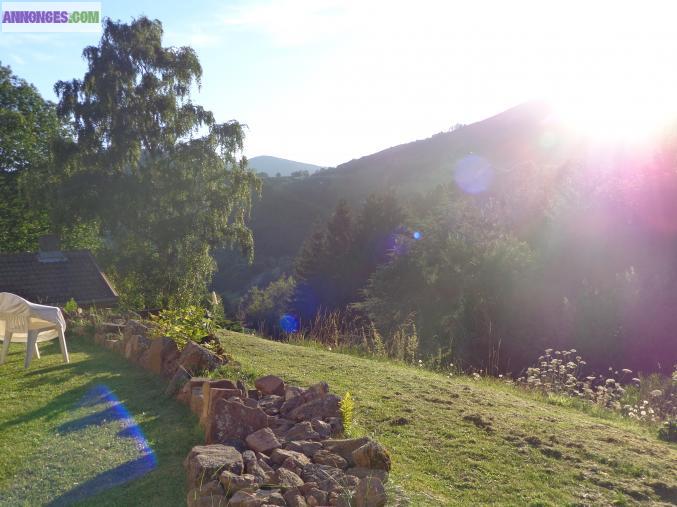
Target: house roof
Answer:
pixel 54 278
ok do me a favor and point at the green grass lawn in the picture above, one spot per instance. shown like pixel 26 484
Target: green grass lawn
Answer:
pixel 456 441
pixel 60 445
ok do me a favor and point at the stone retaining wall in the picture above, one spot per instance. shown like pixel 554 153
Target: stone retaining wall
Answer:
pixel 267 444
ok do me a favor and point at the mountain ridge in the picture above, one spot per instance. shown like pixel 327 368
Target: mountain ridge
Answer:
pixel 273 165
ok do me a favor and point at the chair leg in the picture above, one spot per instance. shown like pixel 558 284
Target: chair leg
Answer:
pixel 64 349
pixel 30 347
pixel 37 350
pixel 5 346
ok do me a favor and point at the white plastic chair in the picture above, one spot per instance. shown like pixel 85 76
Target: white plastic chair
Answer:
pixel 24 322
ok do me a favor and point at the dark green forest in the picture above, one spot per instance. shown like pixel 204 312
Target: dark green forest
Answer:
pixel 480 246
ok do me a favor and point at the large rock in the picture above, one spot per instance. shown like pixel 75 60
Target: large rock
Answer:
pixel 325 457
pixel 162 356
pixel 230 419
pixel 305 446
pixel 205 462
pixel 370 493
pixel 279 456
pixel 302 431
pixel 270 384
pixel 327 477
pixel 213 390
pixel 372 455
pixel 345 447
pixel 321 408
pixel 193 386
pixel 287 479
pixel 263 440
pixel 232 482
pixel 258 468
pixel 196 358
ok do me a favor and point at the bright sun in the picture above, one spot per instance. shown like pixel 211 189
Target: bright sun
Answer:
pixel 619 82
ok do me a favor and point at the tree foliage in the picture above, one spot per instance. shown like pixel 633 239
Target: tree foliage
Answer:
pixel 28 126
pixel 155 171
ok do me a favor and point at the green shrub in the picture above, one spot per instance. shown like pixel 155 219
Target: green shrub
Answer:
pixel 70 307
pixel 183 325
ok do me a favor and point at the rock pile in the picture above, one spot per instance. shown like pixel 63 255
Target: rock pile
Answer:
pixel 271 444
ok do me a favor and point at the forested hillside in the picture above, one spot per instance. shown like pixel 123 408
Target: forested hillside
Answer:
pixel 514 234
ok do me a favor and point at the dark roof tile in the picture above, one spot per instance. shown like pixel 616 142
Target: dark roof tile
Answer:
pixel 77 277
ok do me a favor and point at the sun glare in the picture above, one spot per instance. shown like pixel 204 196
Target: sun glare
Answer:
pixel 619 82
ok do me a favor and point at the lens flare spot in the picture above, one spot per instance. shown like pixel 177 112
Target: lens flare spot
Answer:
pixel 289 323
pixel 417 235
pixel 473 174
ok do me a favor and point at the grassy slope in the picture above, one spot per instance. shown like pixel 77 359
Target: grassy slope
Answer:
pixel 41 459
pixel 512 449
pixel 532 452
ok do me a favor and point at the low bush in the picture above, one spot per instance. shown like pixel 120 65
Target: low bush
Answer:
pixel 190 323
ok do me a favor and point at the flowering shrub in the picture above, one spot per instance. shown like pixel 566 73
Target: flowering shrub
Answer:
pixel 649 399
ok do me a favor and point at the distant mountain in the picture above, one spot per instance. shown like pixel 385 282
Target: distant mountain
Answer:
pixel 274 165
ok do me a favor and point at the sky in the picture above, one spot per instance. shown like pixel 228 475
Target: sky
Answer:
pixel 324 82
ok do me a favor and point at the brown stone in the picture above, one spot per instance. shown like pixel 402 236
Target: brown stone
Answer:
pixel 271 404
pixel 370 493
pixel 270 384
pixel 372 455
pixel 322 428
pixel 196 358
pixel 302 431
pixel 263 440
pixel 305 446
pixel 324 457
pixel 281 426
pixel 345 447
pixel 245 499
pixel 295 499
pixel 278 456
pixel 229 419
pixel 232 482
pixel 162 357
pixel 322 407
pixel 206 462
pixel 257 468
pixel 316 497
pixel 213 390
pixel 271 497
pixel 292 392
pixel 287 479
pixel 327 477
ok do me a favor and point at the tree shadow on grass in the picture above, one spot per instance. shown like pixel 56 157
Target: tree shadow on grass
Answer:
pixel 168 423
pixel 115 477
